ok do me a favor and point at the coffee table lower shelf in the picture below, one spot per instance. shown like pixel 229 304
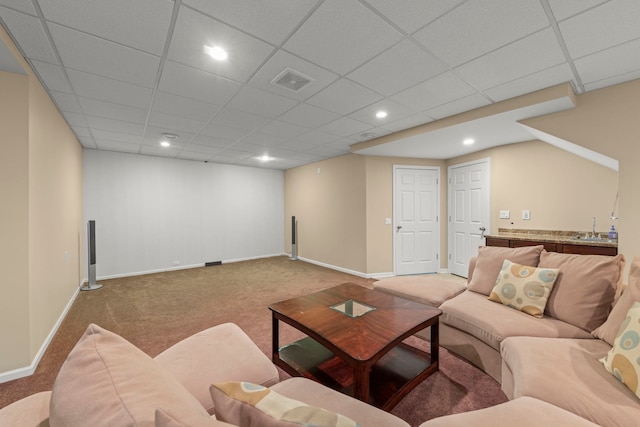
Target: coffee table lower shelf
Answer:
pixel 391 378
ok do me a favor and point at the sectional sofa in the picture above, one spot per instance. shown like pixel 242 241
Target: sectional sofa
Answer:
pixel 554 336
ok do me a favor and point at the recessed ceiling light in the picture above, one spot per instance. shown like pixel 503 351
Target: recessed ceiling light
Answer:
pixel 165 144
pixel 216 52
pixel 468 141
pixel 265 158
pixel 367 135
pixel 169 135
pixel 381 114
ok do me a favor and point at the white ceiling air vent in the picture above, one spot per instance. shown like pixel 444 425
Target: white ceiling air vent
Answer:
pixel 291 80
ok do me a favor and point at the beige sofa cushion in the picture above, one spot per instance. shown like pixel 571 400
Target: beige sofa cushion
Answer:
pixel 521 412
pixel 585 288
pixel 312 393
pixel 474 314
pixel 523 287
pixel 426 289
pixel 609 329
pixel 489 262
pixel 221 353
pixel 247 404
pixel 32 411
pixel 164 419
pixel 567 373
pixel 106 380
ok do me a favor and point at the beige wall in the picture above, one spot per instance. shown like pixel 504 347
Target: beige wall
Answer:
pixel 14 224
pixel 561 190
pixel 41 218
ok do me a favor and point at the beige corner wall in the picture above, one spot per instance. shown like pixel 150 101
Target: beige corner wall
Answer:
pixel 14 221
pixel 607 121
pixel 561 190
pixel 42 162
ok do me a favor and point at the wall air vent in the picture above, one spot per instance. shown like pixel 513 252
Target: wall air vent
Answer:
pixel 291 80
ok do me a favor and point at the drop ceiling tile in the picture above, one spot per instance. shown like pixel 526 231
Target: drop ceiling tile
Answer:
pixel 602 27
pixel 238 119
pixel 115 125
pixel 189 82
pixel 345 126
pixel 52 76
pixel 398 68
pixel 264 140
pixel 545 78
pixel 20 5
pixel 29 34
pixel 175 105
pixel 280 61
pixel 218 130
pixel 563 9
pixel 174 122
pixel 410 15
pixel 394 111
pixel 534 53
pixel 408 122
pixel 478 27
pixel 87 142
pixel 316 137
pixel 343 97
pixel 271 21
pixel 109 110
pixel 259 102
pixel 66 102
pixel 308 115
pixel 202 149
pixel 232 155
pixel 461 105
pixel 105 144
pixel 436 91
pixel 341 35
pixel 283 130
pixel 613 62
pixel 151 150
pixel 191 155
pixel 612 81
pixel 211 142
pixel 105 135
pixel 75 119
pixel 153 135
pixel 91 86
pixel 97 56
pixel 141 24
pixel 194 30
pixel 81 131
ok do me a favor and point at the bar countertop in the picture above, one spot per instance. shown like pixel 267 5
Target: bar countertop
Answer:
pixel 555 236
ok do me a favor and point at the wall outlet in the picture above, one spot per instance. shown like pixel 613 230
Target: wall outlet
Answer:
pixel 504 214
pixel 526 214
pixel 387 221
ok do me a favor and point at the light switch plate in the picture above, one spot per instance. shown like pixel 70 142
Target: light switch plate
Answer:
pixel 504 214
pixel 526 214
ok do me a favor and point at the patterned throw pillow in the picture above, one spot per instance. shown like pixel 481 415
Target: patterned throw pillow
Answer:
pixel 623 360
pixel 523 287
pixel 246 404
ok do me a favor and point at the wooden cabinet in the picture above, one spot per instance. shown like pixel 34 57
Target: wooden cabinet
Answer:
pixel 563 247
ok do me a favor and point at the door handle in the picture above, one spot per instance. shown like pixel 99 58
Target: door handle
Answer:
pixel 482 229
pixel 398 227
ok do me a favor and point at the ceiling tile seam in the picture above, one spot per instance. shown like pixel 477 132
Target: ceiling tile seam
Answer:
pixel 163 59
pixel 582 11
pixel 579 87
pixel 63 69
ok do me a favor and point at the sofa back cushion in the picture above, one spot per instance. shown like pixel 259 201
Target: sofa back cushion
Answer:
pixel 108 381
pixel 609 329
pixel 585 288
pixel 489 263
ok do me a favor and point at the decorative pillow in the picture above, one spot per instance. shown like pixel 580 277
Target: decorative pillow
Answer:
pixel 610 329
pixel 585 289
pixel 245 404
pixel 623 360
pixel 108 381
pixel 489 263
pixel 524 288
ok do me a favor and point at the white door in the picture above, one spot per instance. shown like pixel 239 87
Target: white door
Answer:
pixel 469 212
pixel 415 213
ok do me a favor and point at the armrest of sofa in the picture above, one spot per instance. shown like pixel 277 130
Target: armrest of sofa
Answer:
pixel 31 411
pixel 472 266
pixel 221 353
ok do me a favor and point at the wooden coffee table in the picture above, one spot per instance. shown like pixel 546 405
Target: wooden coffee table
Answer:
pixel 359 352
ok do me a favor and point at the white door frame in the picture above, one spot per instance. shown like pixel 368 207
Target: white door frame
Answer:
pixel 450 238
pixel 437 233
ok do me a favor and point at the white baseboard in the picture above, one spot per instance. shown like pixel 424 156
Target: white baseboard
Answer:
pixel 346 270
pixel 29 370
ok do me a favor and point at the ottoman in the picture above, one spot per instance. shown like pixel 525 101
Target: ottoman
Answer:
pixel 427 289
